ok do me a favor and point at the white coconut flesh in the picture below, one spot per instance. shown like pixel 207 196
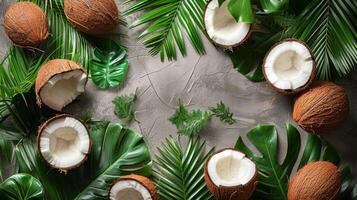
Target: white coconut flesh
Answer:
pixel 64 142
pixel 221 27
pixel 129 189
pixel 230 168
pixel 63 88
pixel 289 65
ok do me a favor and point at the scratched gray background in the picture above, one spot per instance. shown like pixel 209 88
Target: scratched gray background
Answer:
pixel 202 81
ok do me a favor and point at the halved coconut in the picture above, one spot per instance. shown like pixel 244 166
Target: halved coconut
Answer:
pixel 133 187
pixel 289 66
pixel 59 82
pixel 222 28
pixel 229 174
pixel 63 142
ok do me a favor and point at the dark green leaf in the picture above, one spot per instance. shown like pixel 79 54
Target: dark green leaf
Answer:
pixel 272 6
pixel 109 67
pixel 166 22
pixel 21 187
pixel 274 176
pixel 329 28
pixel 189 123
pixel 241 10
pixel 222 112
pixel 124 107
pixel 180 172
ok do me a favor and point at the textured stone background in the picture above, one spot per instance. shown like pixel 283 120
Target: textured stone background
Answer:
pixel 202 81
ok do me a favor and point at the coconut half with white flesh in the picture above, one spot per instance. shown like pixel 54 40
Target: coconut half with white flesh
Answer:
pixel 289 66
pixel 63 142
pixel 222 28
pixel 229 174
pixel 59 82
pixel 133 187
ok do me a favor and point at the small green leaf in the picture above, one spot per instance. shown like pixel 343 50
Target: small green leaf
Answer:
pixel 109 67
pixel 220 2
pixel 21 187
pixel 189 123
pixel 241 10
pixel 222 112
pixel 124 107
pixel 272 6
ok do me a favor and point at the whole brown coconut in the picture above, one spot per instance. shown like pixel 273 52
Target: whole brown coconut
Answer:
pixel 315 181
pixel 93 17
pixel 322 108
pixel 25 24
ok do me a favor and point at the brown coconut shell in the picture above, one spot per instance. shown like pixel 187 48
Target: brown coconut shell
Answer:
pixel 239 192
pixel 51 69
pixel 319 180
pixel 40 132
pixel 297 90
pixel 92 17
pixel 322 108
pixel 225 47
pixel 144 181
pixel 25 24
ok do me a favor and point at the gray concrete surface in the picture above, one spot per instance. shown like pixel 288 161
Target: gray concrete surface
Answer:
pixel 202 81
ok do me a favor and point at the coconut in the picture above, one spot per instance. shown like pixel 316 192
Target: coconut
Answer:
pixel 59 82
pixel 289 66
pixel 222 28
pixel 229 174
pixel 92 17
pixel 322 108
pixel 133 187
pixel 319 180
pixel 63 142
pixel 25 24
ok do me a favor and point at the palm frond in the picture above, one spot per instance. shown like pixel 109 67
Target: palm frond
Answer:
pixel 329 28
pixel 166 21
pixel 180 172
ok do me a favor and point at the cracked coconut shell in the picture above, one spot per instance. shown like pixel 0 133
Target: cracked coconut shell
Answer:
pixel 25 24
pixel 141 180
pixel 92 17
pixel 319 180
pixel 321 108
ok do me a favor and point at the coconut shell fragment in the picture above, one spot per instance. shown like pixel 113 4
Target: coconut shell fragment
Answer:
pixel 59 82
pixel 133 187
pixel 92 17
pixel 25 24
pixel 234 187
pixel 319 180
pixel 322 108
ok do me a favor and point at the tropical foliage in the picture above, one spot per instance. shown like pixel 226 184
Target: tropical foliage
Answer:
pixel 124 107
pixel 166 22
pixel 180 171
pixel 273 175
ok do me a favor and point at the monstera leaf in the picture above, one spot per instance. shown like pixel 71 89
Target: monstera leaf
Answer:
pixel 21 187
pixel 109 67
pixel 116 151
pixel 273 175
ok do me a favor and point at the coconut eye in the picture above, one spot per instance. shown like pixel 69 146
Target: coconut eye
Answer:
pixel 30 29
pixel 63 142
pixel 222 28
pixel 289 66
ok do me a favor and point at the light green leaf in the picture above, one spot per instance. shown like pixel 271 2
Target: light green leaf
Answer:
pixel 166 22
pixel 124 107
pixel 274 176
pixel 180 171
pixel 21 187
pixel 109 67
pixel 272 6
pixel 329 28
pixel 241 10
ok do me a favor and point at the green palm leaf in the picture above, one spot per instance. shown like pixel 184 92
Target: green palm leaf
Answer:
pixel 273 175
pixel 329 28
pixel 180 172
pixel 166 21
pixel 21 186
